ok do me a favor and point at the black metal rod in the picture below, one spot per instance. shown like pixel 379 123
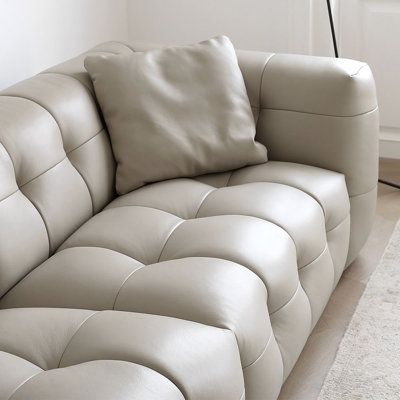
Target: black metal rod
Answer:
pixel 328 2
pixel 395 185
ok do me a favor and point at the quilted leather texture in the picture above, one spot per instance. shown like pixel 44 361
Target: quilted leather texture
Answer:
pixel 233 257
pixel 188 288
pixel 76 354
pixel 177 112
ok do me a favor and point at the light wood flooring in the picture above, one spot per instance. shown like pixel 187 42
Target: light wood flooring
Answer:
pixel 306 379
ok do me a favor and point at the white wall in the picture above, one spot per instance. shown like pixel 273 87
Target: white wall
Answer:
pixel 370 31
pixel 291 26
pixel 36 34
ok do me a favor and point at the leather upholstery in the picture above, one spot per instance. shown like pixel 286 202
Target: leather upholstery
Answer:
pixel 213 283
pixel 57 349
pixel 176 112
pixel 325 115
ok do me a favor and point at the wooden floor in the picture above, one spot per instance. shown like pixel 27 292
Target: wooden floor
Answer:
pixel 308 375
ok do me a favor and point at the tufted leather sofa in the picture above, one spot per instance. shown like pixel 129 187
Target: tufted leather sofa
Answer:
pixel 189 288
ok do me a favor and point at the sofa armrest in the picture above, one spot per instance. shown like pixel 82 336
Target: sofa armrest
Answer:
pixel 317 111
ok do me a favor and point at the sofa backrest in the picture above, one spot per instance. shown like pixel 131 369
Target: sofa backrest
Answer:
pixel 56 162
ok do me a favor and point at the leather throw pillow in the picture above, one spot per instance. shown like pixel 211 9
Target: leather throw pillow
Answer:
pixel 175 112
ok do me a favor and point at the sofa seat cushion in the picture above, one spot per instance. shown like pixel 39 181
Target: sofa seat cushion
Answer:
pixel 100 379
pixel 327 188
pixel 225 252
pixel 48 354
pixel 210 291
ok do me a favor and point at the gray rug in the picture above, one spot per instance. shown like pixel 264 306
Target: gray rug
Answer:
pixel 367 364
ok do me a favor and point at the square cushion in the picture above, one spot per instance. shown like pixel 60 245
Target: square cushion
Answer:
pixel 175 112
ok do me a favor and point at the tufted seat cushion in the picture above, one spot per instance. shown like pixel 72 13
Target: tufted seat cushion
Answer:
pixel 226 250
pixel 187 288
pixel 80 354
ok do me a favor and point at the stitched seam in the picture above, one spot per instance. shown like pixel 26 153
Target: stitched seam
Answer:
pixel 43 108
pixel 362 194
pixel 88 88
pixel 13 165
pixel 248 267
pixel 37 207
pixel 340 223
pixel 24 279
pixel 42 173
pixel 169 236
pixel 358 71
pixel 164 374
pixel 152 208
pixel 316 258
pixel 294 187
pixel 262 352
pixel 87 141
pixel 22 358
pixel 9 155
pixel 229 179
pixel 255 217
pixel 203 200
pixel 261 219
pixel 53 117
pixel 262 80
pixel 58 250
pixel 308 193
pixel 151 368
pixel 9 195
pixel 102 51
pixel 272 223
pixel 159 372
pixel 44 264
pixel 138 205
pixel 62 141
pixel 23 383
pixel 323 115
pixel 127 45
pixel 30 200
pixel 44 221
pixel 123 283
pixel 86 185
pixel 77 330
pixel 291 298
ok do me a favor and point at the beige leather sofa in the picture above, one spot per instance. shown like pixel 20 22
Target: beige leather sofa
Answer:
pixel 196 289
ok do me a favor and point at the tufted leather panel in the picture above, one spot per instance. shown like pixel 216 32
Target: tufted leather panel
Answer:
pixel 234 257
pixel 64 353
pixel 306 110
pixel 325 115
pixel 254 252
pixel 57 167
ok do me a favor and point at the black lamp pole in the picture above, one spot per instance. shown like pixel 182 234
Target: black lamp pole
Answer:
pixel 328 2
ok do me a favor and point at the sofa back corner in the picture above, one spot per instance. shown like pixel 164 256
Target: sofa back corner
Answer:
pixel 56 164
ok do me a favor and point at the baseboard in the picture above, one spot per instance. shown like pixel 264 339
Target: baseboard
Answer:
pixel 389 142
